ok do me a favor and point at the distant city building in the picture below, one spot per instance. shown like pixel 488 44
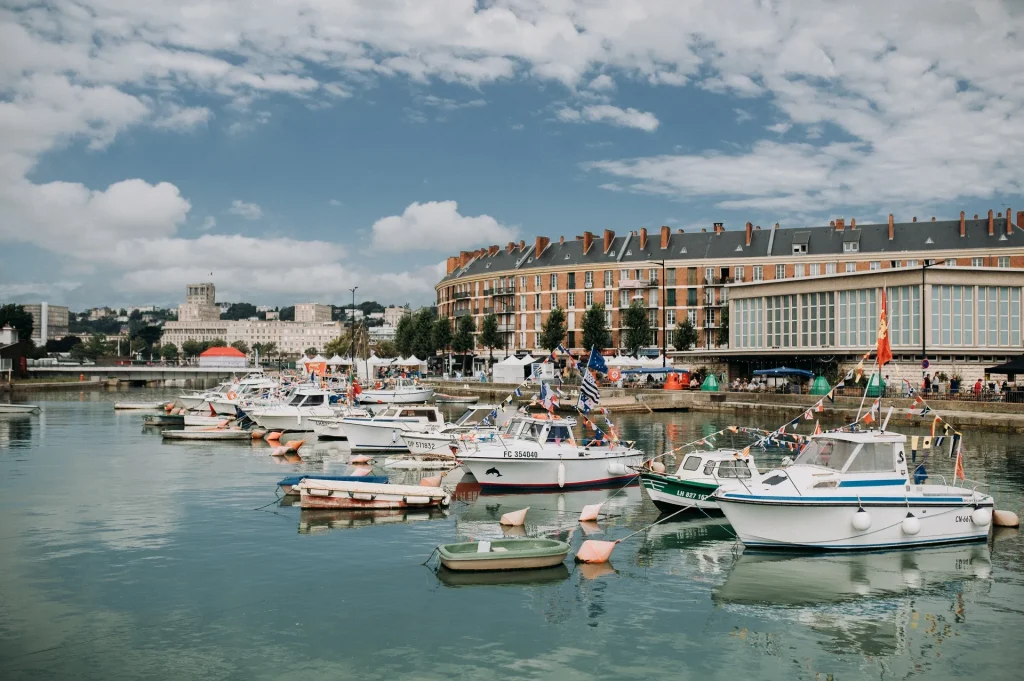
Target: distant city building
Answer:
pixel 141 310
pixel 98 313
pixel 49 322
pixel 272 314
pixel 290 338
pixel 312 312
pixel 379 316
pixel 200 304
pixel 264 308
pixel 382 333
pixel 392 315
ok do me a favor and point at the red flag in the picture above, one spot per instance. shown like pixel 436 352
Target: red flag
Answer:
pixel 883 352
pixel 817 428
pixel 958 471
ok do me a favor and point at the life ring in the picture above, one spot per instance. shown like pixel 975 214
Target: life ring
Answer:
pixel 232 395
pixel 613 374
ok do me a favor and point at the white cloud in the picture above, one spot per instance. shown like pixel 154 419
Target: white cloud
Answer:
pixel 335 203
pixel 181 119
pixel 437 226
pixel 606 113
pixel 742 115
pixel 780 128
pixel 209 223
pixel 603 82
pixel 249 211
pixel 451 104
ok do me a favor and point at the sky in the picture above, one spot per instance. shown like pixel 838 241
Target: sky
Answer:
pixel 288 150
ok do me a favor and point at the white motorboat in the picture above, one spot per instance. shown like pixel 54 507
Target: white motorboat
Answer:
pixel 398 391
pixel 306 402
pixel 207 434
pixel 331 427
pixel 540 451
pixel 696 479
pixel 476 422
pixel 850 491
pixel 247 389
pixel 199 420
pixel 316 493
pixel 385 430
pixel 19 409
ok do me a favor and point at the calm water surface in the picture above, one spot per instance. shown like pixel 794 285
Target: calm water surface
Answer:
pixel 123 557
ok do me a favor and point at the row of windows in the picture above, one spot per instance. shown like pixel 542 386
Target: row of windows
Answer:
pixel 954 313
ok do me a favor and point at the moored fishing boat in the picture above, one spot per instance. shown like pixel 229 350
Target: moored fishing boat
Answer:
pixel 384 431
pixel 207 434
pixel 398 391
pixel 503 554
pixel 305 403
pixel 540 451
pixel 850 491
pixel 319 493
pixel 164 420
pixel 19 409
pixel 441 398
pixel 331 427
pixel 202 420
pixel 696 479
pixel 479 421
pixel 288 486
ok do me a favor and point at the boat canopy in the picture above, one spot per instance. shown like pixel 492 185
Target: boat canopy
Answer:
pixel 784 371
pixel 862 454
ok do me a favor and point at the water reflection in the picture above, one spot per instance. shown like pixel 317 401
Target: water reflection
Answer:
pixel 15 431
pixel 556 573
pixel 323 520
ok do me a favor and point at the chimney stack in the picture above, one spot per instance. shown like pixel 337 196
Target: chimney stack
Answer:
pixel 975 216
pixel 914 219
pixel 750 232
pixel 853 223
pixel 588 241
pixel 1020 218
pixel 666 232
pixel 643 238
pixel 561 240
pixel 892 228
pixel 1009 223
pixel 963 225
pixel 609 239
pixel 510 247
pixel 840 224
pixel 464 257
pixel 703 229
pixel 776 225
pixel 832 223
pixel 493 250
pixel 991 224
pixel 522 245
pixel 539 245
pixel 453 263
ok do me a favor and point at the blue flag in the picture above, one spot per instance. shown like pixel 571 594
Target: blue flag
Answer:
pixel 596 361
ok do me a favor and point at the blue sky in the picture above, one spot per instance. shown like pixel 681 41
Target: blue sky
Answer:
pixel 299 149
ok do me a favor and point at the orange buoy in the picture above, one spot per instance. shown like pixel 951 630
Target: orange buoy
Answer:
pixel 433 481
pixel 294 445
pixel 595 551
pixel 360 459
pixel 272 437
pixel 258 434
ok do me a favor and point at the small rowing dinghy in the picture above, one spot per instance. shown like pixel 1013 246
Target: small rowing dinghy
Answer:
pixel 288 485
pixel 19 409
pixel 139 406
pixel 503 554
pixel 318 493
pixel 207 434
pixel 441 398
pixel 163 420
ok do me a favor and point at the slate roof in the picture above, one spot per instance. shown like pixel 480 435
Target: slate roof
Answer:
pixel 730 246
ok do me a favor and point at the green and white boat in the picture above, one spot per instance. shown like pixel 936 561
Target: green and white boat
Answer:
pixel 696 479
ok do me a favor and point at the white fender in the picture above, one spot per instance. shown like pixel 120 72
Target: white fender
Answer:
pixel 861 520
pixel 561 474
pixel 981 517
pixel 911 525
pixel 617 468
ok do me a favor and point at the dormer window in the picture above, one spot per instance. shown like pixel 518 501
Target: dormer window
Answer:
pixel 799 249
pixel 851 247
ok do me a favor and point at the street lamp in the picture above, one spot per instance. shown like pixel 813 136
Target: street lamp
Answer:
pixel 353 337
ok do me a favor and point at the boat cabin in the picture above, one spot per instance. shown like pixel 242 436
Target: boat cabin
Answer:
pixel 719 464
pixel 869 453
pixel 309 397
pixel 545 430
pixel 411 413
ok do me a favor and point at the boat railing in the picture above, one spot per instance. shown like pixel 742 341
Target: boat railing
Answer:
pixel 973 485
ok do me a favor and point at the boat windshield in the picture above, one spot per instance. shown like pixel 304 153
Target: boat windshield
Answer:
pixel 831 454
pixel 733 469
pixel 472 417
pixel 428 414
pixel 692 463
pixel 873 457
pixel 297 400
pixel 531 431
pixel 559 434
pixel 515 426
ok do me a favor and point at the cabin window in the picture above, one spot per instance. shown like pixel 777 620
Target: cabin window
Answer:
pixel 709 468
pixel 532 431
pixel 514 428
pixel 733 469
pixel 297 400
pixel 408 413
pixel 692 463
pixel 431 416
pixel 559 433
pixel 832 454
pixel 872 458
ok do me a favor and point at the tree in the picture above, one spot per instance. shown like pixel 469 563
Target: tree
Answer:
pixel 723 328
pixel 442 333
pixel 405 335
pixel 337 313
pixel 63 345
pixel 423 336
pixel 150 335
pixel 265 349
pixel 287 314
pixel 387 349
pixel 338 346
pixel 638 327
pixel 241 346
pixel 463 341
pixel 96 347
pixel 369 306
pixel 489 336
pixel 685 336
pixel 240 311
pixel 18 318
pixel 215 343
pixel 169 351
pixel 192 348
pixel 553 333
pixel 310 351
pixel 595 331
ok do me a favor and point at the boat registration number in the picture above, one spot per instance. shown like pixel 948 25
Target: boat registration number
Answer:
pixel 520 455
pixel 691 495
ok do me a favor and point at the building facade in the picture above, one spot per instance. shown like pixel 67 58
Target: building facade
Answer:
pixel 200 304
pixel 678 275
pixel 394 314
pixel 49 322
pixel 312 312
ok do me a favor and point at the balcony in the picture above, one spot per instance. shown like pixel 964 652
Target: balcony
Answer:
pixel 502 290
pixel 461 295
pixel 463 313
pixel 719 281
pixel 638 283
pixel 506 328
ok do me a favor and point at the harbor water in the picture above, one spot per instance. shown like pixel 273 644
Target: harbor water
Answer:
pixel 126 557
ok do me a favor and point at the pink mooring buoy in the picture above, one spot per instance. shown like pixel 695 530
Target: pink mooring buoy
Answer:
pixel 595 551
pixel 590 512
pixel 514 518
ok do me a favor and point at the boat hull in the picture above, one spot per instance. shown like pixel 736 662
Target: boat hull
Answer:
pixel 671 494
pixel 207 435
pixel 504 554
pixel 224 407
pixel 293 420
pixel 19 409
pixel 495 473
pixel 191 402
pixel 318 493
pixel 328 429
pixel 828 526
pixel 428 443
pixel 138 406
pixel 196 420
pixel 370 436
pixel 395 396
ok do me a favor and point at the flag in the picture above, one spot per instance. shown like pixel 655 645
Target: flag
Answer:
pixel 517 392
pixel 958 469
pixel 935 423
pixel 548 397
pixel 954 445
pixel 926 442
pixel 819 408
pixel 596 361
pixel 832 393
pixel 817 428
pixel 808 415
pixel 869 417
pixel 859 371
pixel 883 351
pixel 590 394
